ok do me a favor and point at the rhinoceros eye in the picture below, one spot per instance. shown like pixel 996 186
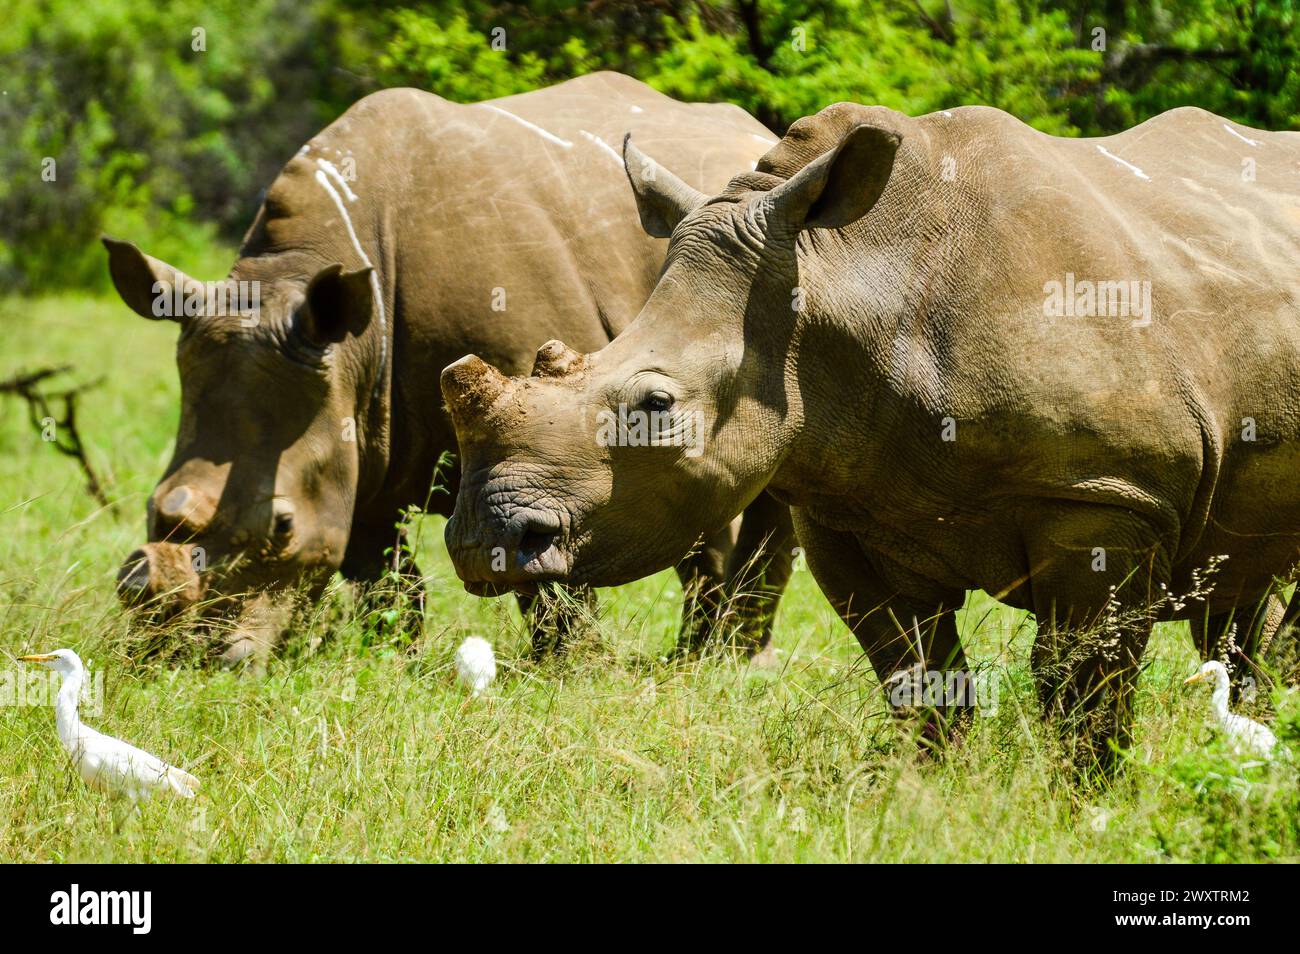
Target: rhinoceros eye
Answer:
pixel 658 401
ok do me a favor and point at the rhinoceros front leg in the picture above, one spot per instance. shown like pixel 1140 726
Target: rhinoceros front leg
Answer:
pixel 909 632
pixel 759 569
pixel 390 584
pixel 1280 649
pixel 732 582
pixel 257 631
pixel 554 613
pixel 703 576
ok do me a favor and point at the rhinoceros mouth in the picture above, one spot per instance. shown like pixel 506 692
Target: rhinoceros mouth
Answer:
pixel 160 579
pixel 539 554
pixel 528 549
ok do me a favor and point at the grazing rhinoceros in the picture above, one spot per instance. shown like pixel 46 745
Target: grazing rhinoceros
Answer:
pixel 969 355
pixel 409 232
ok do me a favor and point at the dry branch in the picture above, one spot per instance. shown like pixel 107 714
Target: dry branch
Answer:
pixel 39 409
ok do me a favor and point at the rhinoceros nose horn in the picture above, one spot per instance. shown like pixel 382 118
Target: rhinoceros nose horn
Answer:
pixel 183 505
pixel 471 385
pixel 176 504
pixel 555 359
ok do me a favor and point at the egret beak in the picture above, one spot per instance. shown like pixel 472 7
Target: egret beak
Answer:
pixel 39 658
pixel 1191 679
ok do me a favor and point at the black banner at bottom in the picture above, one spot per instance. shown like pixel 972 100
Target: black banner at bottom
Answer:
pixel 138 905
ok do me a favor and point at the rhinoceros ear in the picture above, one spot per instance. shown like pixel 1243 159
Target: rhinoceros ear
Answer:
pixel 841 185
pixel 339 303
pixel 662 199
pixel 145 283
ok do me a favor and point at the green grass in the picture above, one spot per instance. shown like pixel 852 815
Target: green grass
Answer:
pixel 352 748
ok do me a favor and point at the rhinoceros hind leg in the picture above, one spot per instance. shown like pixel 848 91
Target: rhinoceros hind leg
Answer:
pixel 1095 571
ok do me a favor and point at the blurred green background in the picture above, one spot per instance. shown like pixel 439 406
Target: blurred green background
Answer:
pixel 171 145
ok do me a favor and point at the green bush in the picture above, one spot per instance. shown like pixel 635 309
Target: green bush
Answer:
pixel 172 146
pixel 148 135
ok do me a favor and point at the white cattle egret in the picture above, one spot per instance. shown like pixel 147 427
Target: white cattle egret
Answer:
pixel 1247 736
pixel 105 763
pixel 476 666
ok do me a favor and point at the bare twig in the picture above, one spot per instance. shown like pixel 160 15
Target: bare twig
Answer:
pixel 65 436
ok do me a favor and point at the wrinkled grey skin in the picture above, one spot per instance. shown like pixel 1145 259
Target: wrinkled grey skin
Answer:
pixel 410 231
pixel 860 323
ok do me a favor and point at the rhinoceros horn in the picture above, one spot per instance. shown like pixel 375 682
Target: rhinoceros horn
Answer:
pixel 556 359
pixel 471 386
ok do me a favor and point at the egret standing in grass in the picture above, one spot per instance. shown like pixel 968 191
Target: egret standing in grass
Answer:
pixel 105 763
pixel 476 666
pixel 1246 736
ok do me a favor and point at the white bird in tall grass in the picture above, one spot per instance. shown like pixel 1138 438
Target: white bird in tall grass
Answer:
pixel 1246 736
pixel 104 763
pixel 476 666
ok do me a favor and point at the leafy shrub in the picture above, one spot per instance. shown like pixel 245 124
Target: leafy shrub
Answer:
pixel 172 146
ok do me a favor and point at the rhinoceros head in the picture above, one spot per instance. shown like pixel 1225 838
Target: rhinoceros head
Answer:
pixel 605 467
pixel 260 489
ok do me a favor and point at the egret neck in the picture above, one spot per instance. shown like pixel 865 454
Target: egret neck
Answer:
pixel 65 707
pixel 1219 698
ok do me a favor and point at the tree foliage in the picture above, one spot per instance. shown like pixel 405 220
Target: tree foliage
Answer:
pixel 173 145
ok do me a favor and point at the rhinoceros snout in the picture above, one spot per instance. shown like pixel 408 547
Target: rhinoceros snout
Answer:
pixel 160 571
pixel 523 547
pixel 133 578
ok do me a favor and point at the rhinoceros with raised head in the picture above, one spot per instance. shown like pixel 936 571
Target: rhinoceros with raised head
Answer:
pixel 970 356
pixel 409 232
